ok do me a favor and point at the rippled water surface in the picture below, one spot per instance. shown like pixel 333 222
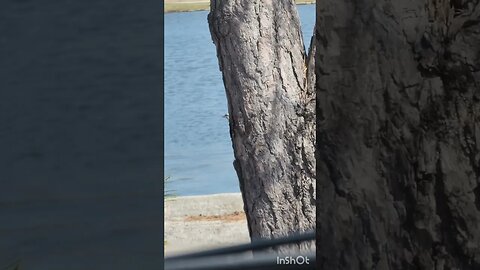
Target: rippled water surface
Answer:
pixel 80 184
pixel 198 151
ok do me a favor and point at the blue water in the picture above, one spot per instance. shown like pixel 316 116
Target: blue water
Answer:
pixel 198 150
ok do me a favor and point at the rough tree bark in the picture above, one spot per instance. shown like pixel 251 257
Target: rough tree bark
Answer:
pixel 271 110
pixel 398 134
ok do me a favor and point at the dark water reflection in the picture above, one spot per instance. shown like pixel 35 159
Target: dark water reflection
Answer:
pixel 198 151
pixel 80 138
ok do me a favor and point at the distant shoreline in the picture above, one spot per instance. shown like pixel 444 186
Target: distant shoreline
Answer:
pixel 197 5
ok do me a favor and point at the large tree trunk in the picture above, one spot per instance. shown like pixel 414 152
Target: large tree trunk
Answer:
pixel 271 108
pixel 398 134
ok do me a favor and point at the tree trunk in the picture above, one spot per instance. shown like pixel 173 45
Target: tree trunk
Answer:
pixel 271 110
pixel 398 134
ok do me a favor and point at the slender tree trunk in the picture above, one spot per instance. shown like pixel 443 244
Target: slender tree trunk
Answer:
pixel 398 134
pixel 271 109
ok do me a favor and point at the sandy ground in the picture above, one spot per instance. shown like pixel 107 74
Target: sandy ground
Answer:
pixel 187 1
pixel 194 5
pixel 195 223
pixel 208 1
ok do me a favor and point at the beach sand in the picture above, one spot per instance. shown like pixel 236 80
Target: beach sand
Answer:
pixel 197 223
pixel 194 5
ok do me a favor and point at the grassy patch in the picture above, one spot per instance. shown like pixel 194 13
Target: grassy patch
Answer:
pixel 205 5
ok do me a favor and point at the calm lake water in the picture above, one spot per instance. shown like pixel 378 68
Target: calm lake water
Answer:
pixel 80 176
pixel 198 150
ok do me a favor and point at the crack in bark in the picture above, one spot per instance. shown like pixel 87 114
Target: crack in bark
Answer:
pixel 403 74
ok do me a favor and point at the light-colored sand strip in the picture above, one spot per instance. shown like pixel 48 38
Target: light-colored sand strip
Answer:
pixel 195 5
pixel 187 1
pixel 195 223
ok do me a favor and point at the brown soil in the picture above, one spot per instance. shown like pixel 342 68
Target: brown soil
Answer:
pixel 233 217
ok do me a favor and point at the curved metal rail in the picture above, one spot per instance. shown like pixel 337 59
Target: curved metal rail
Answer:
pixel 240 257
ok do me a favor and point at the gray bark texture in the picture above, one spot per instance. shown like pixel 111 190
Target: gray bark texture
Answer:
pixel 398 134
pixel 271 110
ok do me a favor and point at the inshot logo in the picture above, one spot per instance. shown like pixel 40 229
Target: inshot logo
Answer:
pixel 300 260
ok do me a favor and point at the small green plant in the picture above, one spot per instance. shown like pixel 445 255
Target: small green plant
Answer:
pixel 168 192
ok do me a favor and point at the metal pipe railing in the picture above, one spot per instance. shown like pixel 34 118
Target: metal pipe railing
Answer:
pixel 240 256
